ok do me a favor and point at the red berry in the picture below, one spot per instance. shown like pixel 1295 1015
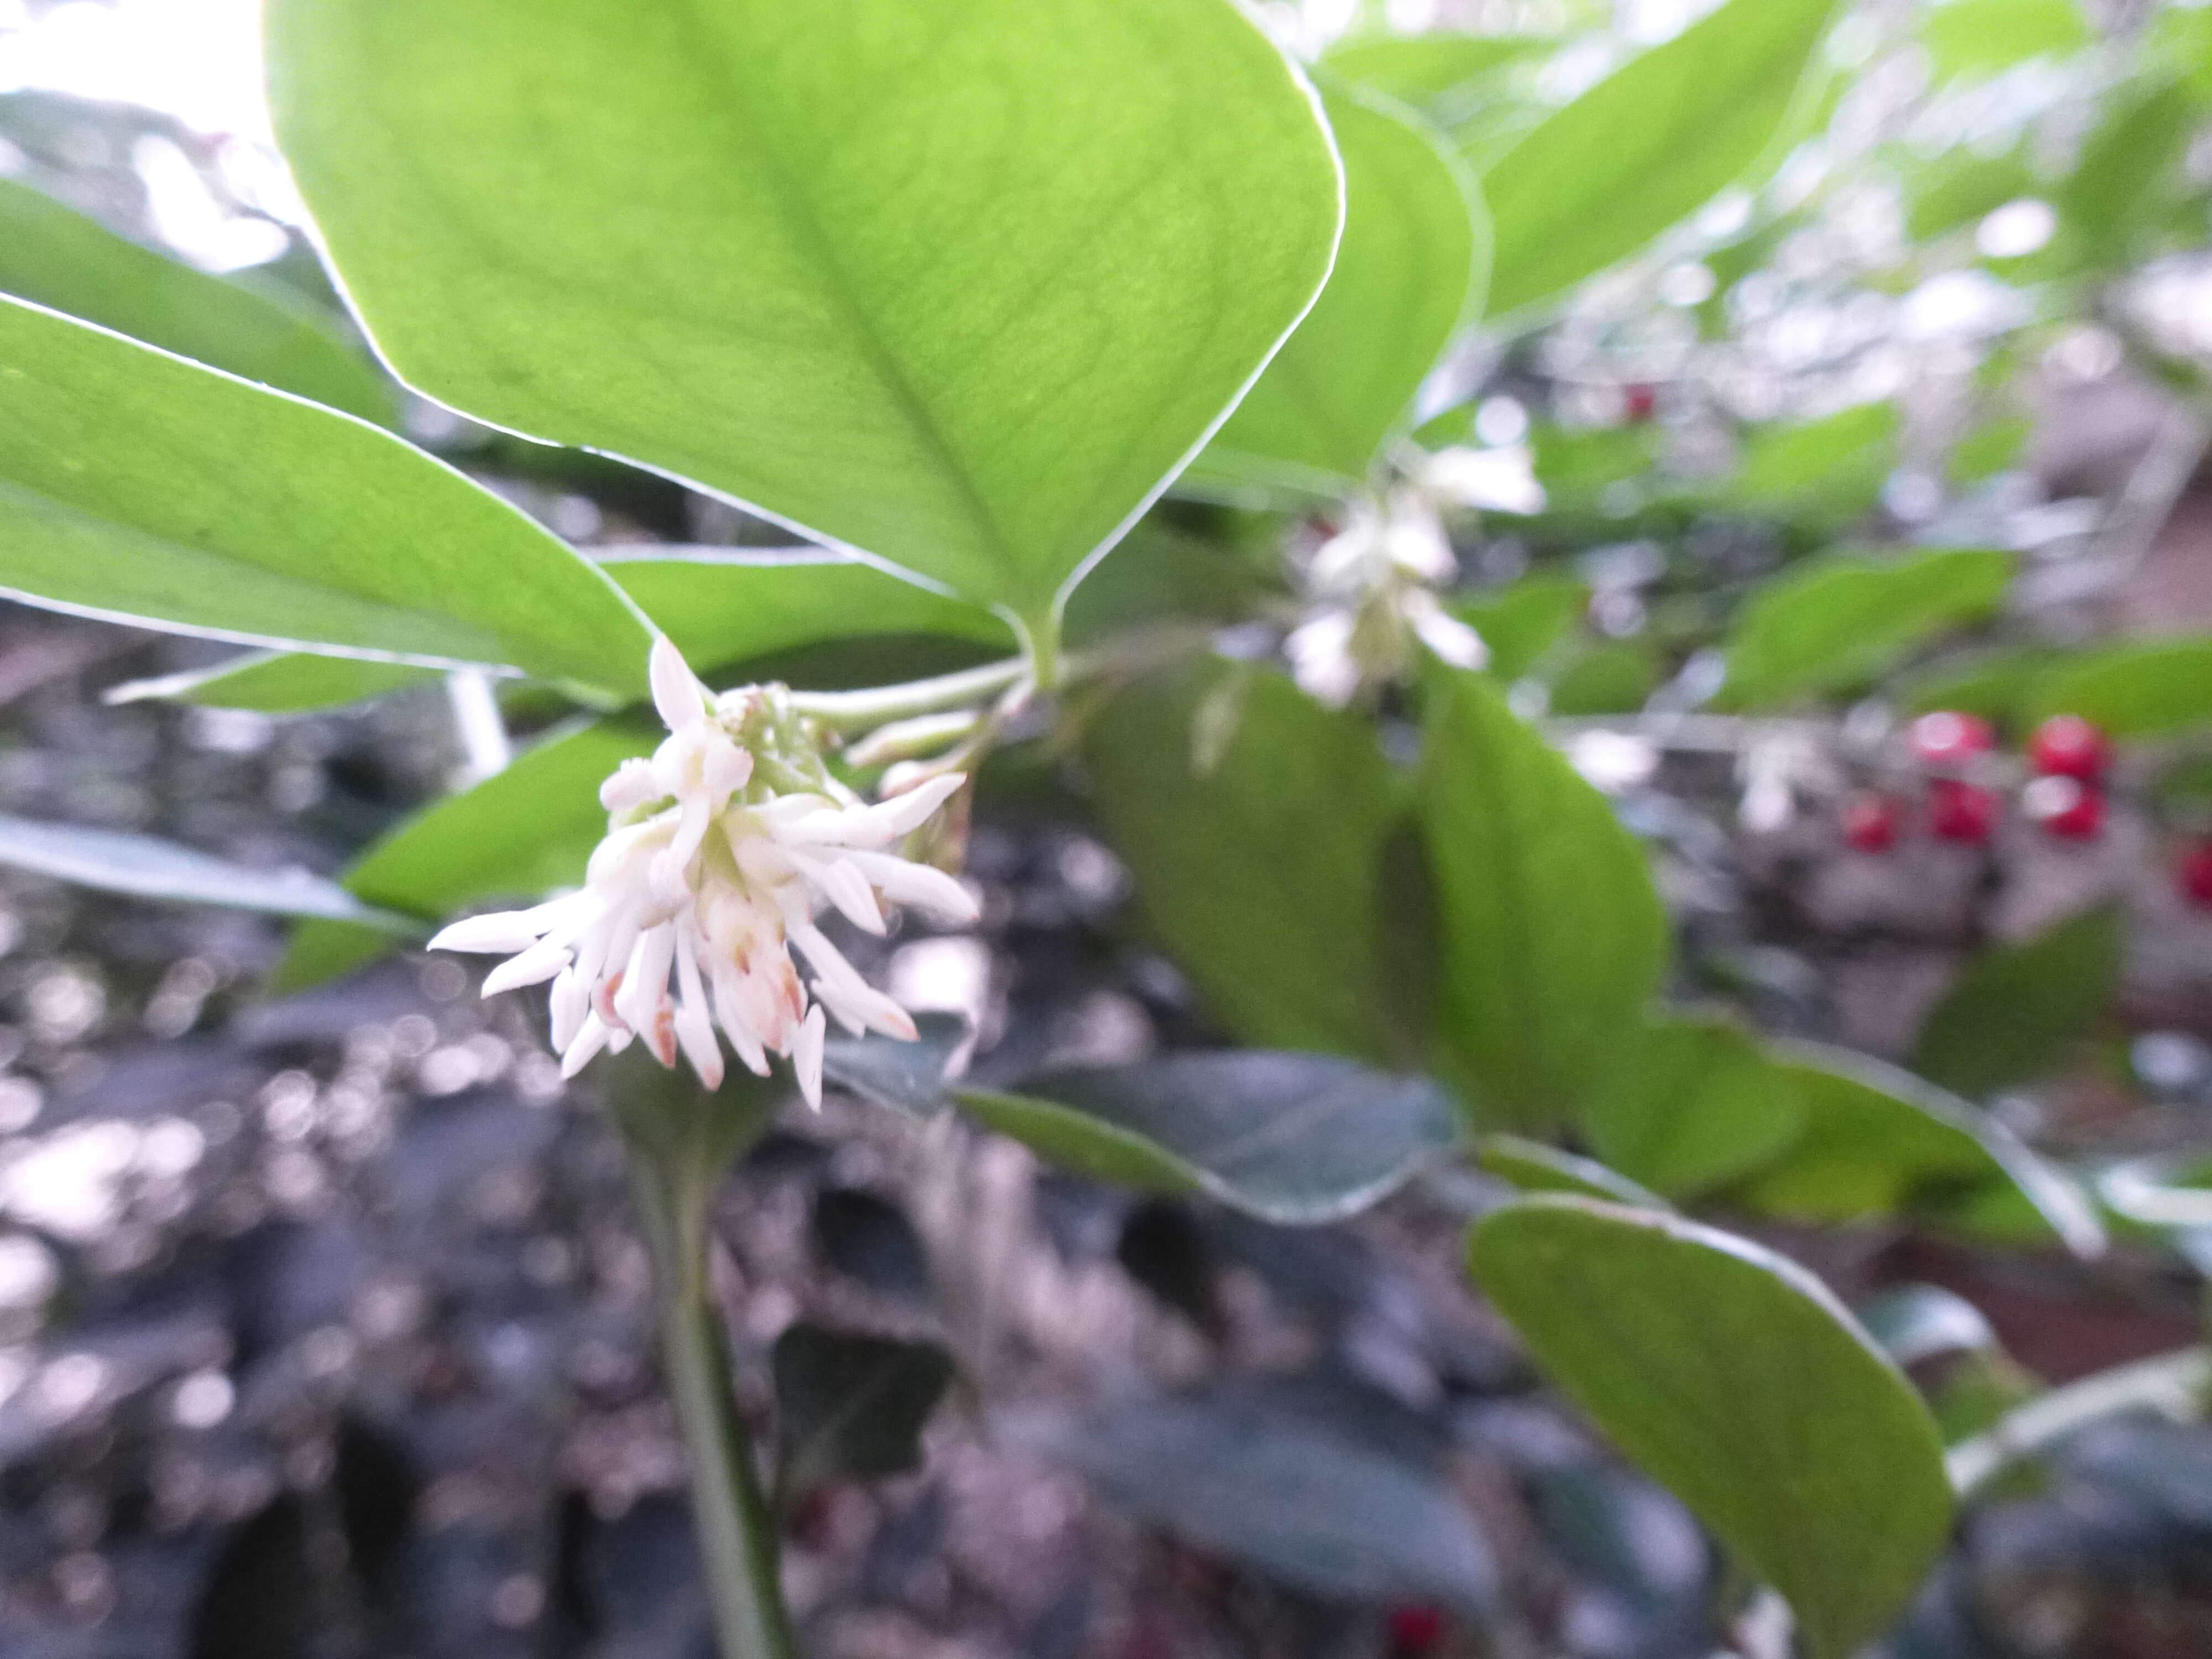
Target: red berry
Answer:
pixel 2065 807
pixel 2194 874
pixel 1415 1628
pixel 2067 746
pixel 1961 812
pixel 1641 402
pixel 1947 737
pixel 1869 822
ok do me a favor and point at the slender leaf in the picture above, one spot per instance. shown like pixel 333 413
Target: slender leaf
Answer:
pixel 1837 622
pixel 1645 147
pixel 1292 1138
pixel 279 682
pixel 1690 1104
pixel 59 258
pixel 1446 77
pixel 1345 380
pixel 145 868
pixel 1261 873
pixel 1737 1378
pixel 1554 938
pixel 2018 1008
pixel 963 284
pixel 137 487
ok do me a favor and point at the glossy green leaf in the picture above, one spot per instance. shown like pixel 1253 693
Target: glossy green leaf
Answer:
pixel 1536 1166
pixel 1292 1138
pixel 2016 1009
pixel 59 258
pixel 1977 37
pixel 2148 688
pixel 723 606
pixel 1343 383
pixel 144 866
pixel 1260 874
pixel 279 682
pixel 1646 147
pixel 850 1407
pixel 1878 1141
pixel 137 487
pixel 515 835
pixel 1552 937
pixel 1444 75
pixel 1837 622
pixel 1737 1379
pixel 1690 1104
pixel 961 284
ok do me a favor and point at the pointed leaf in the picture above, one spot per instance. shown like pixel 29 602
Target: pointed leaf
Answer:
pixel 1554 938
pixel 1293 1138
pixel 963 284
pixel 1645 147
pixel 1345 380
pixel 2144 688
pixel 1737 1379
pixel 1690 1104
pixel 279 682
pixel 137 487
pixel 59 258
pixel 2017 1008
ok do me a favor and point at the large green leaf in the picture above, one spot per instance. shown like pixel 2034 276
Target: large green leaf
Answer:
pixel 1446 77
pixel 1552 937
pixel 143 866
pixel 1261 873
pixel 517 834
pixel 279 682
pixel 2140 690
pixel 1737 1378
pixel 1646 146
pixel 138 487
pixel 1835 622
pixel 1972 37
pixel 1878 1141
pixel 1292 1138
pixel 1344 381
pixel 53 256
pixel 723 606
pixel 961 282
pixel 2017 1008
pixel 1691 1102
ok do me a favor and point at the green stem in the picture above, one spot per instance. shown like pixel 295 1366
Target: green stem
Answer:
pixel 858 711
pixel 675 1185
pixel 2173 1383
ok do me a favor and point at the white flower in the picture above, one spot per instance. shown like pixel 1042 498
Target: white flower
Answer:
pixel 719 851
pixel 1374 582
pixel 1500 480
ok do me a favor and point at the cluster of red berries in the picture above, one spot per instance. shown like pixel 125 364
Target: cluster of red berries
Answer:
pixel 2068 759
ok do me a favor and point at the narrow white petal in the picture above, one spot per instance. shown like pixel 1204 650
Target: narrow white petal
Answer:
pixel 644 992
pixel 694 1020
pixel 533 967
pixel 591 1037
pixel 724 981
pixel 904 882
pixel 630 785
pixel 909 811
pixel 838 880
pixel 677 692
pixel 1446 635
pixel 500 933
pixel 852 998
pixel 806 1056
pixel 570 1005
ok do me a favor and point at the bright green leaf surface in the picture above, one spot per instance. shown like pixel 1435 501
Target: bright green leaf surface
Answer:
pixel 1343 382
pixel 57 258
pixel 1520 623
pixel 1537 1166
pixel 146 868
pixel 279 682
pixel 1646 146
pixel 1737 1379
pixel 1831 467
pixel 2018 1008
pixel 1261 875
pixel 1977 37
pixel 723 606
pixel 2151 688
pixel 1691 1105
pixel 1878 1141
pixel 1552 937
pixel 516 836
pixel 1446 77
pixel 1835 622
pixel 960 283
pixel 137 487
pixel 1292 1138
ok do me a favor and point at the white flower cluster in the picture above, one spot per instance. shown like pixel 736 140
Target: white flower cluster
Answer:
pixel 1373 588
pixel 719 851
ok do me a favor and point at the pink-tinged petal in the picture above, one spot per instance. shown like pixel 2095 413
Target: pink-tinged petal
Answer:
pixel 806 1056
pixel 694 1020
pixel 533 967
pixel 644 990
pixel 723 980
pixel 677 692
